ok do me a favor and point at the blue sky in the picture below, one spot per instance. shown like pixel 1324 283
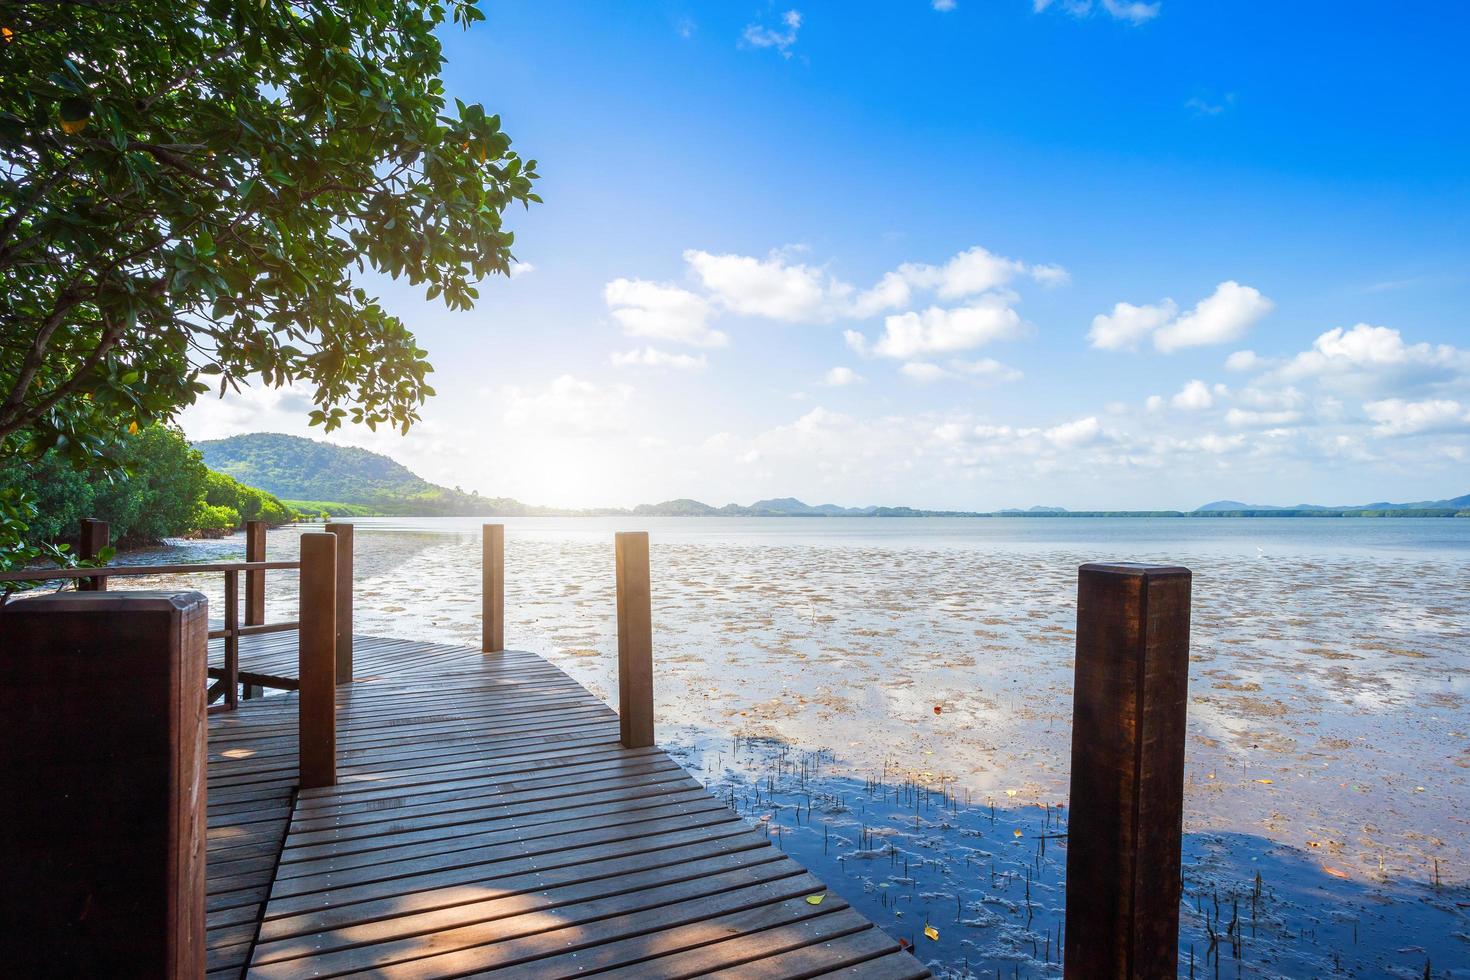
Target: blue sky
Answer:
pixel 875 253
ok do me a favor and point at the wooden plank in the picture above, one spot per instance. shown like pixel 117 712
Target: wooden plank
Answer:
pixel 487 817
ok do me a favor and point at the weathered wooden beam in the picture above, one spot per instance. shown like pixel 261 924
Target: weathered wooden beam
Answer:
pixel 317 712
pixel 102 773
pixel 635 640
pixel 1128 729
pixel 255 581
pixel 492 588
pixel 94 536
pixel 344 600
pixel 232 639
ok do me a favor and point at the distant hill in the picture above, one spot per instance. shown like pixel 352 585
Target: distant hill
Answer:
pixel 319 474
pixel 318 477
pixel 1219 507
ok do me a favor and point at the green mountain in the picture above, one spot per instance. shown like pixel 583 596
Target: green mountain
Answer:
pixel 320 476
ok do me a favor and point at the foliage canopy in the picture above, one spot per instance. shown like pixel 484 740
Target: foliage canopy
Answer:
pixel 191 192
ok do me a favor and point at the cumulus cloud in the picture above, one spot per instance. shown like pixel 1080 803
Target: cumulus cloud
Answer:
pixel 771 287
pixel 923 372
pixel 1070 435
pixel 661 312
pixel 840 377
pixel 1396 417
pixel 781 38
pixel 941 331
pixel 986 369
pixel 1223 316
pixel 655 358
pixel 1369 359
pixel 1243 360
pixel 1128 324
pixel 1194 396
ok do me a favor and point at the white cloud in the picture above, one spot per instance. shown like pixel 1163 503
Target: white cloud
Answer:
pixel 569 406
pixel 1154 403
pixel 781 38
pixel 1242 418
pixel 661 312
pixel 973 271
pixel 1132 11
pixel 1128 324
pixel 840 377
pixel 1224 316
pixel 1372 359
pixel 1194 396
pixel 653 357
pixel 941 331
pixel 923 372
pixel 856 342
pixel 769 287
pixel 1243 360
pixel 1396 417
pixel 1070 435
pixel 1050 275
pixel 944 6
pixel 987 369
pixel 518 269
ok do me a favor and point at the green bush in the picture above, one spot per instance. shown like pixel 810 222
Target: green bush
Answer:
pixel 165 490
pixel 213 521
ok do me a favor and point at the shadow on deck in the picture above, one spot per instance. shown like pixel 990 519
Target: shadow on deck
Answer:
pixel 487 818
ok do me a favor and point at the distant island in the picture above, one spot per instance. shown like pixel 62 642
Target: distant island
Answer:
pixel 319 479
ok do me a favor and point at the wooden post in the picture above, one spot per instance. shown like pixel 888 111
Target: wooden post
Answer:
pixel 635 640
pixel 344 600
pixel 232 639
pixel 102 773
pixel 317 718
pixel 492 588
pixel 94 536
pixel 254 581
pixel 1125 829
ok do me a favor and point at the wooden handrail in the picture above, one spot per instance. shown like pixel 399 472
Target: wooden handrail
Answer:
pixel 115 571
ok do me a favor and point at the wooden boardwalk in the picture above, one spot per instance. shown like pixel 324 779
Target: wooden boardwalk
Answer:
pixel 487 819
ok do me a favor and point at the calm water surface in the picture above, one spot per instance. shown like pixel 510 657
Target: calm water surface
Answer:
pixel 891 699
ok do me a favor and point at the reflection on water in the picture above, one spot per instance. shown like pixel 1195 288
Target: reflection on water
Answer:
pixel 1328 724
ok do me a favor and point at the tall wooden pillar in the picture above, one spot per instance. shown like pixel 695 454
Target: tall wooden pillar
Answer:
pixel 344 600
pixel 317 638
pixel 102 774
pixel 492 588
pixel 255 581
pixel 635 640
pixel 1128 728
pixel 95 536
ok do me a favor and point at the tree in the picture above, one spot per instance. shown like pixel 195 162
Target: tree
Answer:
pixel 191 191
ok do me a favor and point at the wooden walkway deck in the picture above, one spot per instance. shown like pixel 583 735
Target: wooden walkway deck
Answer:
pixel 487 820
